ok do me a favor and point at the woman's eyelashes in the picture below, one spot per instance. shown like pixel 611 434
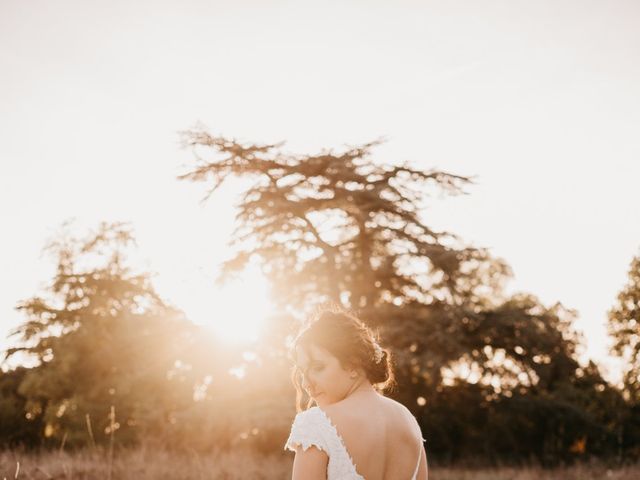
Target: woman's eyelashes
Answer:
pixel 313 368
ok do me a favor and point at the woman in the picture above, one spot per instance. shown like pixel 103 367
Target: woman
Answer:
pixel 353 432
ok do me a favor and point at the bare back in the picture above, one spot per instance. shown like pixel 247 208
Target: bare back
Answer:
pixel 381 436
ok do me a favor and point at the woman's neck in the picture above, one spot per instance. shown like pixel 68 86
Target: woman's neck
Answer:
pixel 360 385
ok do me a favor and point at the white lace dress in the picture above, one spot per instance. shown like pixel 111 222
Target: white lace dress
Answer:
pixel 313 427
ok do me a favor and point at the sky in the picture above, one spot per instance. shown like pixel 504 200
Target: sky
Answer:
pixel 538 101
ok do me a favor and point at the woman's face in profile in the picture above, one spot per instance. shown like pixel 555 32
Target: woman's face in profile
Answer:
pixel 323 378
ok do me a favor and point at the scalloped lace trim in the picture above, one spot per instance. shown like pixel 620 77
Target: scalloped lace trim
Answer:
pixel 305 443
pixel 342 446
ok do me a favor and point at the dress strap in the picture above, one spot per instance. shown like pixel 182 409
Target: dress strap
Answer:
pixel 415 472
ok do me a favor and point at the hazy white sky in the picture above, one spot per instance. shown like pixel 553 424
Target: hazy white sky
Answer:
pixel 539 100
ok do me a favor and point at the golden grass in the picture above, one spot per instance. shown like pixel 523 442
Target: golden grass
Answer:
pixel 141 464
pixel 578 472
pixel 146 463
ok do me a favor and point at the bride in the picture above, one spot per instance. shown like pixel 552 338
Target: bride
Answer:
pixel 353 432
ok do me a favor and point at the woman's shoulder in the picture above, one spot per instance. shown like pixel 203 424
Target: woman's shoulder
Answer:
pixel 401 409
pixel 379 402
pixel 352 410
pixel 382 410
pixel 310 416
pixel 309 428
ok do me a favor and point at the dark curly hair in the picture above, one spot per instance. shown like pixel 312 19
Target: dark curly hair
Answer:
pixel 349 340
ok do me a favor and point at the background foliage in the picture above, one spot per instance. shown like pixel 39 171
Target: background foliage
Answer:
pixel 491 377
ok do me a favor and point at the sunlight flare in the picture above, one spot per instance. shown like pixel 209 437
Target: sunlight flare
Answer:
pixel 235 312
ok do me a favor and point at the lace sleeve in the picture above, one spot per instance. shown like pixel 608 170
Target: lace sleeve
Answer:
pixel 307 431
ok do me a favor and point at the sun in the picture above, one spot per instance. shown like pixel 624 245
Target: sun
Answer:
pixel 236 312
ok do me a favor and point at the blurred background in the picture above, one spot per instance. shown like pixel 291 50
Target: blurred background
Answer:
pixel 184 182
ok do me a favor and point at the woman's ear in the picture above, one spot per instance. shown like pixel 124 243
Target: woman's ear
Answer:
pixel 352 367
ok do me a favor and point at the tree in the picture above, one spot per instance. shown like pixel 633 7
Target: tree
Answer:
pixel 339 226
pixel 102 338
pixel 624 327
pixel 343 227
pixel 15 428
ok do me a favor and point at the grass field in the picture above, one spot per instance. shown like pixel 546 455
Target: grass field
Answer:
pixel 146 464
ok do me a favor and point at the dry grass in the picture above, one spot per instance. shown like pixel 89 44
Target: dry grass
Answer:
pixel 146 463
pixel 579 472
pixel 141 464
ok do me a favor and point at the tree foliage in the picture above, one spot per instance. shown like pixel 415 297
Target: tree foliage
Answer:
pixel 113 358
pixel 488 374
pixel 624 328
pixel 15 427
pixel 341 227
pixel 102 338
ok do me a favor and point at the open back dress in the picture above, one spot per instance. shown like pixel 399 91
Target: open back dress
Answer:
pixel 313 427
